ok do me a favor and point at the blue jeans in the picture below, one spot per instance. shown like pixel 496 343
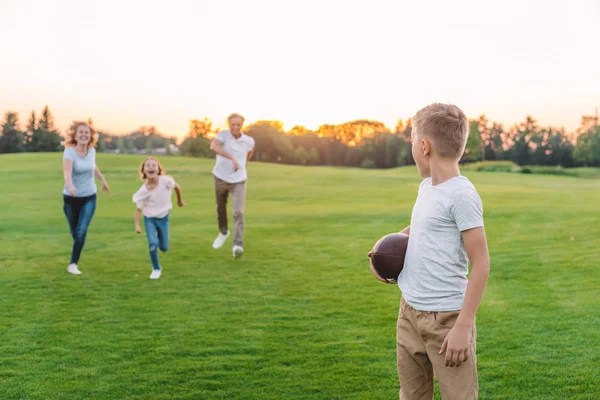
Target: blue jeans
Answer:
pixel 79 212
pixel 157 231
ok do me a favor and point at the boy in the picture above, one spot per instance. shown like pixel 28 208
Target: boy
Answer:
pixel 436 323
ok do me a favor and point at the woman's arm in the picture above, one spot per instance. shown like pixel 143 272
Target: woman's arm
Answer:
pixel 99 175
pixel 68 175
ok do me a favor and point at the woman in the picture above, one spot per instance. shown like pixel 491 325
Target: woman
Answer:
pixel 79 194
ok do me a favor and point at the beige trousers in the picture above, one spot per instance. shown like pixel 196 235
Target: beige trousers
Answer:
pixel 238 197
pixel 420 335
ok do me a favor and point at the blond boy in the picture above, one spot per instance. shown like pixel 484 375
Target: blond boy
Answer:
pixel 436 324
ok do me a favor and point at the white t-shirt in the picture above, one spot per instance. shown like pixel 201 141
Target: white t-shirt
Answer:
pixel 435 271
pixel 239 149
pixel 82 172
pixel 156 203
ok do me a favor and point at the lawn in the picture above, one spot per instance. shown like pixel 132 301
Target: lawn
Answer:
pixel 299 316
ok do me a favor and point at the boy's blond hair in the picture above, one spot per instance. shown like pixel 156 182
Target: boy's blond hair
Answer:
pixel 446 126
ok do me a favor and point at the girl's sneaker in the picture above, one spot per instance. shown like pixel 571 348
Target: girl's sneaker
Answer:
pixel 155 273
pixel 72 269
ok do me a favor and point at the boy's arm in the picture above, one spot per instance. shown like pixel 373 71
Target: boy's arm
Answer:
pixel 137 216
pixel 477 250
pixel 456 344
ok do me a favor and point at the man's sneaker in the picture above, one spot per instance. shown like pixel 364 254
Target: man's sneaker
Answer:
pixel 220 240
pixel 155 273
pixel 72 269
pixel 238 251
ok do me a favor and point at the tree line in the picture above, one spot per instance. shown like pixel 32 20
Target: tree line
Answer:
pixel 359 143
pixel 41 135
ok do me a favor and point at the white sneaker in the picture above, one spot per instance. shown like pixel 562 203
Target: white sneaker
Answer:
pixel 72 269
pixel 238 251
pixel 220 240
pixel 155 273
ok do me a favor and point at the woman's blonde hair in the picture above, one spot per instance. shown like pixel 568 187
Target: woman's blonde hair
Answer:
pixel 71 132
pixel 161 171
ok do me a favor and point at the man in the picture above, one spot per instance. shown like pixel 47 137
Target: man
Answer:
pixel 233 149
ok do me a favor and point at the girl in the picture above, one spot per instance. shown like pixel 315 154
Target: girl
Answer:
pixel 79 194
pixel 154 199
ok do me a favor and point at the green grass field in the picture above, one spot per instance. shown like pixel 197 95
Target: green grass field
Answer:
pixel 300 316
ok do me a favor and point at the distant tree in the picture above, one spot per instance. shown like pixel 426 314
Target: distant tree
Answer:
pixel 400 126
pixel 149 145
pixel 44 136
pixel 32 126
pixel 129 143
pixel 272 144
pixel 405 156
pixel 196 147
pixel 407 133
pixel 587 147
pixel 301 156
pixel 354 132
pixel 298 130
pixel 200 128
pixel 473 148
pixel 278 125
pixel 46 122
pixel 121 147
pixel 12 139
pixel 520 140
pixel 494 149
pixel 101 146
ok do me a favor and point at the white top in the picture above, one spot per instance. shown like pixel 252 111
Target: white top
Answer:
pixel 239 149
pixel 156 203
pixel 435 271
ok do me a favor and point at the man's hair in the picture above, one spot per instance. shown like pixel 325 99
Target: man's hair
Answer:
pixel 235 115
pixel 447 127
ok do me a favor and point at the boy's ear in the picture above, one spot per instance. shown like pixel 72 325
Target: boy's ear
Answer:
pixel 425 147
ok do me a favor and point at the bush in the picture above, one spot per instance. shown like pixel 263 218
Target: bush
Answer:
pixel 196 147
pixel 367 163
pixel 589 172
pixel 493 166
pixel 545 170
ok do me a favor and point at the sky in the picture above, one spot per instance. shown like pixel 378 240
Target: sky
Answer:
pixel 128 63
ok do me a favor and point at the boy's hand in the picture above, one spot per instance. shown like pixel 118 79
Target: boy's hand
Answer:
pixel 456 345
pixel 138 229
pixel 374 272
pixel 236 166
pixel 72 191
pixel 105 187
pixel 181 203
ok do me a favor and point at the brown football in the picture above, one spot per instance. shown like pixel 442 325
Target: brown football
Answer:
pixel 388 254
